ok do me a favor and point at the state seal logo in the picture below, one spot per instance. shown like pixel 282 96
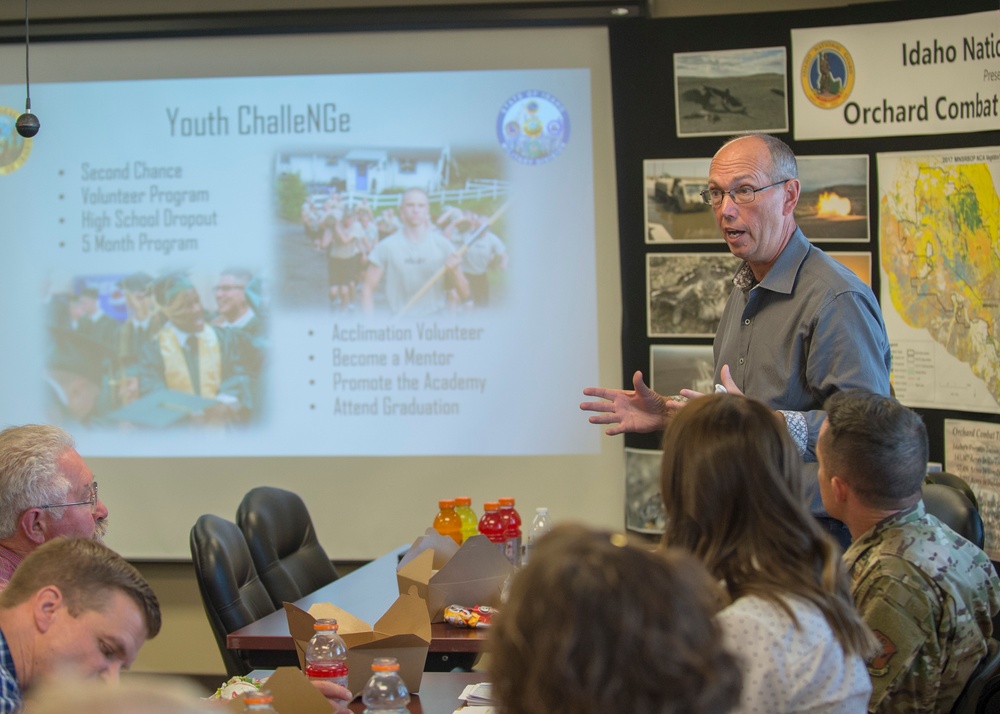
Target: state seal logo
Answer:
pixel 14 148
pixel 533 127
pixel 828 74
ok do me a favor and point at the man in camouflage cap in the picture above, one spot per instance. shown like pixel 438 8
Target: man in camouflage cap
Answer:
pixel 927 593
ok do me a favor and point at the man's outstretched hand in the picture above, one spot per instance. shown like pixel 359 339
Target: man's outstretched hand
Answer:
pixel 639 410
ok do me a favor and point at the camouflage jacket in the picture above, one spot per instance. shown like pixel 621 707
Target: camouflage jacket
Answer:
pixel 929 596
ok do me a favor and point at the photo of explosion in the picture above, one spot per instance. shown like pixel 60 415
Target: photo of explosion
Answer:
pixel 833 204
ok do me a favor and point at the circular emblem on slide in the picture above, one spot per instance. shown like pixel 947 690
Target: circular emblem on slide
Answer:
pixel 533 127
pixel 14 148
pixel 828 74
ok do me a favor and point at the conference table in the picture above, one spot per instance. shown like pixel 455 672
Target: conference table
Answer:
pixel 438 692
pixel 365 593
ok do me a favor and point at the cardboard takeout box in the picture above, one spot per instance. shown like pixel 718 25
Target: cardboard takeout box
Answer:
pixel 444 574
pixel 403 632
pixel 292 693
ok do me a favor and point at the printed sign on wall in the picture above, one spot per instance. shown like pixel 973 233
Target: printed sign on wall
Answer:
pixel 934 76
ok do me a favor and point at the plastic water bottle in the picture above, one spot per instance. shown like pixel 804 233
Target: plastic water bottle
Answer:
pixel 326 653
pixel 385 692
pixel 505 588
pixel 512 529
pixel 491 526
pixel 540 525
pixel 447 522
pixel 470 524
pixel 259 702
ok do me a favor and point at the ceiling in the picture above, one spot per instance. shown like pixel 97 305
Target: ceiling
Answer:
pixel 53 10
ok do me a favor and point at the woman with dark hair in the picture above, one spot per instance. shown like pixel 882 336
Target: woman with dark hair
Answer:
pixel 594 626
pixel 734 498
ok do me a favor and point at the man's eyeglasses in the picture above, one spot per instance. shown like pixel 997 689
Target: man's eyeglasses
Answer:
pixel 92 501
pixel 743 194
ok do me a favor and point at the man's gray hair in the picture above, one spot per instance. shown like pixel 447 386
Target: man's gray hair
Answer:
pixel 783 163
pixel 29 471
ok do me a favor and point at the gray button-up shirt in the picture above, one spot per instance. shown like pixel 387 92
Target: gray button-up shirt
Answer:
pixel 810 328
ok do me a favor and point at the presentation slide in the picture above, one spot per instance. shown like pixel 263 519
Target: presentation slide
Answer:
pixel 389 259
pixel 354 265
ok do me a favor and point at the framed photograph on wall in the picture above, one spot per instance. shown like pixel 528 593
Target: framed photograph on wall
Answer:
pixel 731 91
pixel 686 292
pixel 859 262
pixel 833 204
pixel 675 210
pixel 676 367
pixel 644 511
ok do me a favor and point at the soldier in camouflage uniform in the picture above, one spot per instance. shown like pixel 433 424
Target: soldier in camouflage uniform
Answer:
pixel 927 593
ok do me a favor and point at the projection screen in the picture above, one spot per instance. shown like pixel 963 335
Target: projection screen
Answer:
pixel 176 181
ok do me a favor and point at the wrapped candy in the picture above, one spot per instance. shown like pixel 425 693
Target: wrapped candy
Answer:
pixel 478 616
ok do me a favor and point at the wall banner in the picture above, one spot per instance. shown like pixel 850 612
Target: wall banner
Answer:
pixel 916 77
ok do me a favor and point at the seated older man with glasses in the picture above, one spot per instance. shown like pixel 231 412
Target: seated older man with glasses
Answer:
pixel 46 491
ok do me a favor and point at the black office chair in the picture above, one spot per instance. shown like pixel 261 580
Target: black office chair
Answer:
pixel 950 479
pixel 982 692
pixel 232 593
pixel 954 510
pixel 283 544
